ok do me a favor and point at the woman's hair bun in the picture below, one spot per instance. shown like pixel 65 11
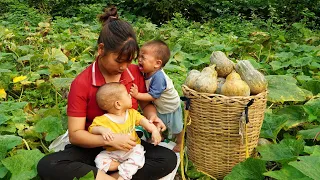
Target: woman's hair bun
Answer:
pixel 109 14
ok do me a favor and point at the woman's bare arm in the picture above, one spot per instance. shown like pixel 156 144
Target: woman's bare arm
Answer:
pixel 79 136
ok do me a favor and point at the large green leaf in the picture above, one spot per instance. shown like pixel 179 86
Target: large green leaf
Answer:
pixel 295 115
pixel 56 69
pixel 10 141
pixel 60 83
pixel 286 150
pixel 251 169
pixel 11 106
pixel 287 173
pixel 58 55
pixel 272 124
pixel 23 165
pixel 308 165
pixel 312 86
pixel 310 133
pixel 3 118
pixel 283 88
pixel 312 149
pixel 51 126
pixel 312 108
pixel 3 171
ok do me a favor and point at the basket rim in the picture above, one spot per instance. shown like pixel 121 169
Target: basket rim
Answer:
pixel 186 89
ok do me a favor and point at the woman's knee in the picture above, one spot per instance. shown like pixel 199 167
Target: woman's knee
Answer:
pixel 170 160
pixel 44 165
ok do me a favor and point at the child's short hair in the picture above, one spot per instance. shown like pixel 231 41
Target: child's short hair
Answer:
pixel 161 50
pixel 108 94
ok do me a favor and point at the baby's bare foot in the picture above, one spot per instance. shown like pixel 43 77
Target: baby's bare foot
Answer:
pixel 120 178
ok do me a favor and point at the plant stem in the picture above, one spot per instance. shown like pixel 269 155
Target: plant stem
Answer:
pixel 45 147
pixel 21 94
pixel 25 142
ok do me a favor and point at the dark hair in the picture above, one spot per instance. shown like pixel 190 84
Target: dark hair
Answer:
pixel 108 93
pixel 161 50
pixel 117 36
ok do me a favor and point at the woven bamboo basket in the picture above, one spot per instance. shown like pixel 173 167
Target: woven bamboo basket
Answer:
pixel 213 141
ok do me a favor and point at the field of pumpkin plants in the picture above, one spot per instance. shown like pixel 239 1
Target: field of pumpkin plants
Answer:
pixel 40 56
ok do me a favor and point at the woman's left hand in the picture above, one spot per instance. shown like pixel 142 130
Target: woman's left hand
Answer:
pixel 157 122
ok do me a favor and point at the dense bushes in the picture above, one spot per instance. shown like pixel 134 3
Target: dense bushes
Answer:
pixel 285 11
pixel 159 11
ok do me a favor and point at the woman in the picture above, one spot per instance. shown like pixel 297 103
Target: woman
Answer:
pixel 117 47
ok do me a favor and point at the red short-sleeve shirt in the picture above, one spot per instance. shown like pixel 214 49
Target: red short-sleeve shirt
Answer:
pixel 82 95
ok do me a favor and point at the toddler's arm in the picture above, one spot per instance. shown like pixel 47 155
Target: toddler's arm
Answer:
pixel 106 133
pixel 140 96
pixel 150 127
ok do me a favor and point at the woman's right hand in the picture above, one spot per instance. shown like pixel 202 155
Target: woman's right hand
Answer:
pixel 122 142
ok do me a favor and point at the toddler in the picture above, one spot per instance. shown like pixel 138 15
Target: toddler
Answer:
pixel 153 56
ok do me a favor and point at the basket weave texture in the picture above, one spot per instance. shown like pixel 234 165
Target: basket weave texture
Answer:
pixel 213 141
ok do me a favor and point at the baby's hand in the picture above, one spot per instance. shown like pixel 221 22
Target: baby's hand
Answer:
pixel 107 134
pixel 134 90
pixel 156 137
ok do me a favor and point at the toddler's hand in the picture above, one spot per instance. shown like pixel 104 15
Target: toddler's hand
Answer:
pixel 156 137
pixel 134 90
pixel 107 134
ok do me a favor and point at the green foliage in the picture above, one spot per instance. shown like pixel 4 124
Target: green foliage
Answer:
pixel 286 150
pixel 287 173
pixel 23 165
pixel 251 169
pixel 275 12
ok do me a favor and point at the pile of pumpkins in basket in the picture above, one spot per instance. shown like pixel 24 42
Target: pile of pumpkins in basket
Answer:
pixel 227 78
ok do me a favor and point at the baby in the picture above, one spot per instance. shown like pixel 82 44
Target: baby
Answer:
pixel 120 118
pixel 153 56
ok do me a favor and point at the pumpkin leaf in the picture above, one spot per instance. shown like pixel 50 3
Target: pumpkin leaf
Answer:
pixel 311 149
pixel 60 83
pixel 59 55
pixel 56 69
pixel 280 92
pixel 312 108
pixel 23 165
pixel 312 86
pixel 308 165
pixel 3 171
pixel 250 169
pixel 295 115
pixel 286 150
pixel 287 173
pixel 309 134
pixel 272 124
pixel 51 126
pixel 10 141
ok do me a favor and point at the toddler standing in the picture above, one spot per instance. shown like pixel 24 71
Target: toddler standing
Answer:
pixel 153 56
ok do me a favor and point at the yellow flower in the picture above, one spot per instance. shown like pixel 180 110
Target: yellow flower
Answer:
pixel 73 59
pixel 3 93
pixel 19 78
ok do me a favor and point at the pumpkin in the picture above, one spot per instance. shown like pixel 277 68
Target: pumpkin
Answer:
pixel 207 81
pixel 220 82
pixel 255 79
pixel 223 65
pixel 191 78
pixel 235 86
